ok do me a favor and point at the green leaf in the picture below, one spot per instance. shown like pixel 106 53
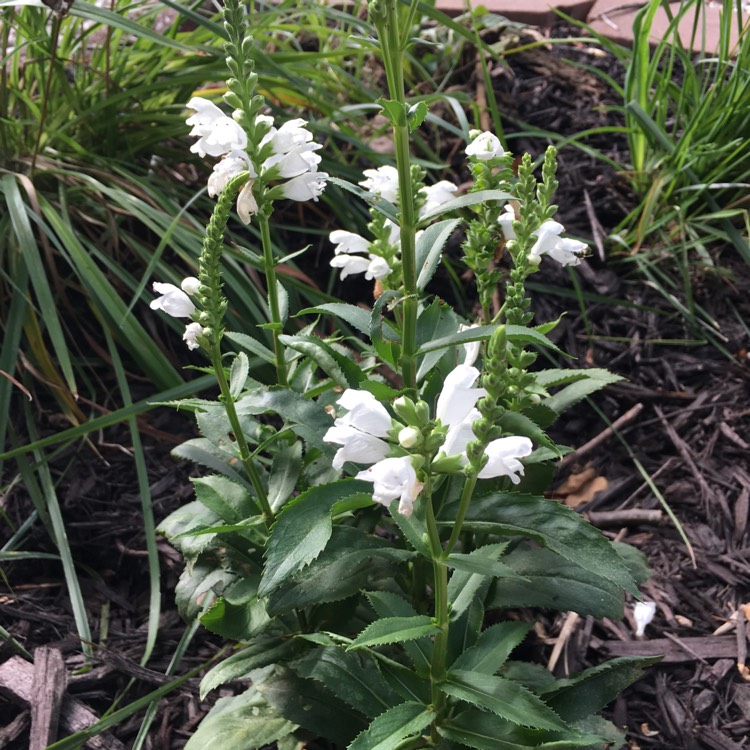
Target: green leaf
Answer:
pixel 516 334
pixel 514 423
pixel 228 500
pixel 342 569
pixel 556 583
pixel 342 370
pixel 189 517
pixel 483 566
pixel 585 693
pixel 357 317
pixel 261 653
pixel 493 648
pixel 464 585
pixel 435 321
pixel 303 529
pixel 429 248
pixel 306 703
pixel 197 583
pixel 485 731
pixel 239 614
pixel 505 698
pixel 470 199
pixel 285 471
pixel 352 678
pixel 238 375
pixel 251 345
pixel 416 114
pixel 395 630
pixel 394 110
pixel 595 380
pixel 243 722
pixel 385 347
pixel 309 419
pixel 393 727
pixel 382 206
pixel 388 604
pixel 554 526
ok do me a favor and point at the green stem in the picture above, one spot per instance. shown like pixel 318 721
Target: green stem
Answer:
pixel 269 264
pixel 463 508
pixel 245 456
pixel 393 48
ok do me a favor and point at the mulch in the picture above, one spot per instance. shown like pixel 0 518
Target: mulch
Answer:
pixel 680 456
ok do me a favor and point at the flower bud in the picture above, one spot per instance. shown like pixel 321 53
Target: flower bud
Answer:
pixel 190 285
pixel 409 437
pixel 406 409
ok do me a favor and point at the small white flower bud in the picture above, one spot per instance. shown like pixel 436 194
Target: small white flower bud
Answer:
pixel 643 613
pixel 190 285
pixel 409 437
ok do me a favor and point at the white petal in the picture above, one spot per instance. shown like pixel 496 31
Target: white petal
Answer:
pixel 382 181
pixel 643 612
pixel 394 479
pixel 192 332
pixel 349 264
pixel 247 206
pixel 546 238
pixel 377 268
pixel 364 412
pixel 485 146
pixel 348 242
pixel 173 301
pixel 305 187
pixel 568 252
pixel 358 446
pixel 458 397
pixel 503 455
pixel 190 285
pixel 471 349
pixel 505 220
pixel 460 435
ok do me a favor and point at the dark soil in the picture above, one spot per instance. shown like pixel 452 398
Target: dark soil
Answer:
pixel 682 451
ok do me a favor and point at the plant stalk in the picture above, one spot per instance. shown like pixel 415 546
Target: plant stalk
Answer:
pixel 277 325
pixel 463 509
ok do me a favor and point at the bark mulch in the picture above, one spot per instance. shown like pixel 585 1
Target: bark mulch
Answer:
pixel 679 462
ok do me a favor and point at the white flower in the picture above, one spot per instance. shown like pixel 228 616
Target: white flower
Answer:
pixel 485 146
pixel 643 613
pixel 192 332
pixel 378 268
pixel 173 301
pixel 471 348
pixel 350 264
pixel 292 133
pixel 503 455
pixel 230 166
pixel 458 397
pixel 190 285
pixel 364 412
pixel 247 206
pixel 358 446
pixel 460 435
pixel 394 233
pixel 505 220
pixel 348 242
pixel 548 242
pixel 305 187
pixel 437 194
pixel 382 181
pixel 217 133
pixel 296 161
pixel 394 479
pixel 360 430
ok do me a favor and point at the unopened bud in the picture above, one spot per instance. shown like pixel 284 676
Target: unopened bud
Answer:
pixel 190 285
pixel 409 437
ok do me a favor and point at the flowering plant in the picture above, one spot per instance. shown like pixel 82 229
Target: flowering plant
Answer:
pixel 375 518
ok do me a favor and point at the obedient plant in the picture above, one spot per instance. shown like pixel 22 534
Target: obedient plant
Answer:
pixel 373 532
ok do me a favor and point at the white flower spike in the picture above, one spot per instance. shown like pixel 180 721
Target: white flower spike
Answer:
pixel 173 301
pixel 394 479
pixel 484 147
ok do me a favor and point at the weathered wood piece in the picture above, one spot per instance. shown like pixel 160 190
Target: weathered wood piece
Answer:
pixel 14 730
pixel 709 647
pixel 16 684
pixel 47 689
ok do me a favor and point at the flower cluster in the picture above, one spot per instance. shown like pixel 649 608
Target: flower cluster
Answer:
pixel 175 302
pixel 566 251
pixel 288 153
pixel 367 434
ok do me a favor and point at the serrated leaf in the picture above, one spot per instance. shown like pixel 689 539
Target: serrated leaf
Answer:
pixel 382 206
pixel 239 614
pixel 309 419
pixel 285 471
pixel 388 604
pixel 198 583
pixel 505 698
pixel 493 648
pixel 435 321
pixel 238 374
pixel 556 583
pixel 465 629
pixel 429 249
pixel 339 368
pixel 308 704
pixel 554 526
pixel 357 317
pixel 394 111
pixel 514 423
pixel 203 453
pixel 470 199
pixel 395 630
pixel 516 334
pixel 229 500
pixel 303 529
pixel 260 653
pixel 483 566
pixel 416 114
pixel 577 391
pixel 464 586
pixel 583 694
pixel 242 722
pixel 393 727
pixel 192 516
pixel 350 677
pixel 342 569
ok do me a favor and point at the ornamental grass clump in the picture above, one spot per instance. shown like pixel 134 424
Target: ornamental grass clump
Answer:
pixel 374 517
